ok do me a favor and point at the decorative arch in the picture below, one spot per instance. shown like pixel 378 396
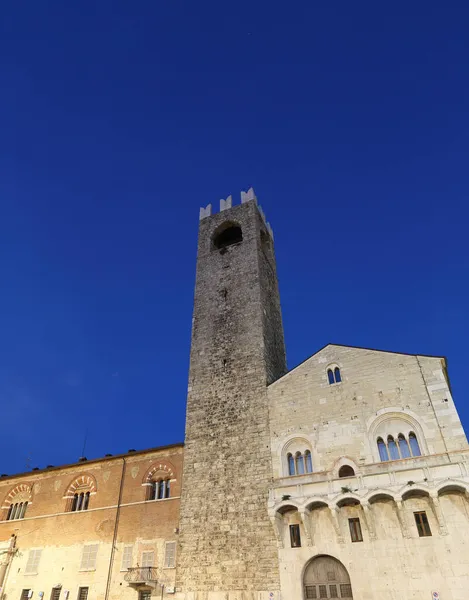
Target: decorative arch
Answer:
pixel 379 494
pixel 412 491
pixel 284 506
pixel 391 435
pixel 84 482
pixel 316 502
pixel 347 498
pixel 158 470
pixel 326 577
pixel 157 480
pixel 79 491
pixel 452 485
pixel 16 502
pixel 345 461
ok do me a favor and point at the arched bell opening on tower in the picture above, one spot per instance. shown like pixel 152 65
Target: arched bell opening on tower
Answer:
pixel 227 235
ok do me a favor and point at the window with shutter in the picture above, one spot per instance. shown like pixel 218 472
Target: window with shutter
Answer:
pixel 24 594
pixel 88 558
pixel 170 555
pixel 148 558
pixel 55 594
pixel 126 558
pixel 33 561
pixel 83 593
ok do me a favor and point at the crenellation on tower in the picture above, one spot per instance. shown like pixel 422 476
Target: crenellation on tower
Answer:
pixel 248 196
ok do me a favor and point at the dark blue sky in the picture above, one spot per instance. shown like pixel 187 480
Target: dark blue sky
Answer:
pixel 119 119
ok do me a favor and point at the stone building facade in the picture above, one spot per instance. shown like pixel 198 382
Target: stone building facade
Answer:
pixel 346 477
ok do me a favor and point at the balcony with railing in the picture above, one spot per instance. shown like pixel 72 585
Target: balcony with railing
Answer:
pixel 141 575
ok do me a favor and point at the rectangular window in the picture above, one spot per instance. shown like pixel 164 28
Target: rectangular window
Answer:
pixel 24 594
pixel 333 591
pixel 345 590
pixel 355 530
pixel 311 592
pixel 144 595
pixel 34 557
pixel 323 591
pixel 88 558
pixel 82 593
pixel 55 594
pixel 295 538
pixel 170 555
pixel 148 558
pixel 423 526
pixel 126 558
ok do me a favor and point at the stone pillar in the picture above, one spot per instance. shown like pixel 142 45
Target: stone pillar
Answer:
pixel 436 507
pixel 279 527
pixel 334 512
pixel 369 519
pixel 306 520
pixel 402 520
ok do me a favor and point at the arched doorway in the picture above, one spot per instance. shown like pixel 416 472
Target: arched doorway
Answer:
pixel 326 577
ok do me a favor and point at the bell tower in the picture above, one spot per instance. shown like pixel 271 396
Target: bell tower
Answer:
pixel 227 543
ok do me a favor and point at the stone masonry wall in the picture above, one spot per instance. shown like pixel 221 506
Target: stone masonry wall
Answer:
pixel 226 539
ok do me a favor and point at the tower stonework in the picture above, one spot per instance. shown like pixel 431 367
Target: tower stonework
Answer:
pixel 227 546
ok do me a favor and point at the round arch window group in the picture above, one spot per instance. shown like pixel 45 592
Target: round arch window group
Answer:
pixel 391 448
pixel 299 463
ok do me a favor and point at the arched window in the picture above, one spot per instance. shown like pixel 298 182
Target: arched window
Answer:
pixel 398 435
pixel 160 489
pixel 403 446
pixel 333 375
pixel 291 464
pixel 79 493
pixel 296 457
pixel 383 451
pixel 17 511
pixel 232 234
pixel 300 463
pixel 402 449
pixel 346 471
pixel 308 462
pixel 16 502
pixel 392 447
pixel 80 501
pixel 414 444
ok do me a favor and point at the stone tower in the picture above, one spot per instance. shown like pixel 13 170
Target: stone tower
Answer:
pixel 227 543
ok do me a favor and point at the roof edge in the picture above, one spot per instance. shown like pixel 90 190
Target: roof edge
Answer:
pixel 90 462
pixel 441 357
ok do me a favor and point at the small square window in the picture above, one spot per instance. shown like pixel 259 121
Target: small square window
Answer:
pixel 295 538
pixel 355 530
pixel 423 526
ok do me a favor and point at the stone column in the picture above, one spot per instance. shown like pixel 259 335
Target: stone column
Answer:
pixel 435 502
pixel 306 520
pixel 334 512
pixel 369 519
pixel 278 525
pixel 402 519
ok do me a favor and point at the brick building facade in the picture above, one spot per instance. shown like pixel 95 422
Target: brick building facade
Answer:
pixel 346 477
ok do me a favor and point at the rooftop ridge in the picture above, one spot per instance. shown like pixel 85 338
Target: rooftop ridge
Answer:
pixel 228 203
